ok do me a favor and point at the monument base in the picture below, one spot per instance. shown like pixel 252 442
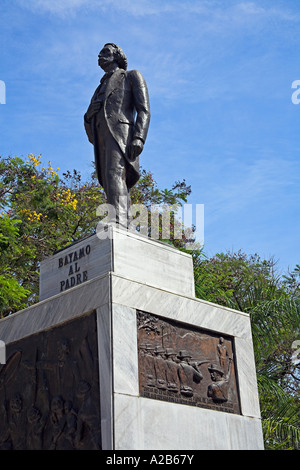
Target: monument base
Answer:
pixel 118 363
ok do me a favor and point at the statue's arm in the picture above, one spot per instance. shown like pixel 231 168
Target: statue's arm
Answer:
pixel 93 108
pixel 88 129
pixel 141 104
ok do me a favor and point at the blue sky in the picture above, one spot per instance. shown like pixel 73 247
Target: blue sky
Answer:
pixel 220 76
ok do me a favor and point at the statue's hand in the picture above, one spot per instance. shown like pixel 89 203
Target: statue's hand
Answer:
pixel 135 149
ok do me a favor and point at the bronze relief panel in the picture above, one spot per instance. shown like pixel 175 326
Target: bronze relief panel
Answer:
pixel 49 389
pixel 184 364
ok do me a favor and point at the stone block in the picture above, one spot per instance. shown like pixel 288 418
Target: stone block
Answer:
pixel 122 252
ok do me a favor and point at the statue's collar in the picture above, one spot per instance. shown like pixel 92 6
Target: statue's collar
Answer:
pixel 107 75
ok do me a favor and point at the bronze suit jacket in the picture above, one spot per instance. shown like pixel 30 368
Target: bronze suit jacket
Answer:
pixel 126 94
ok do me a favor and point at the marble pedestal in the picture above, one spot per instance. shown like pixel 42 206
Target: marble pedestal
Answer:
pixel 125 276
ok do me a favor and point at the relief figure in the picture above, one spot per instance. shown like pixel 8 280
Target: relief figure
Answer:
pixel 88 433
pixel 160 368
pixel 36 425
pixel 218 389
pixel 15 437
pixel 149 367
pixel 188 373
pixel 222 353
pixel 58 421
pixel 173 384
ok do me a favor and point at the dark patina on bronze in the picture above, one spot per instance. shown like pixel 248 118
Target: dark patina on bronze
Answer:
pixel 49 389
pixel 116 123
pixel 188 365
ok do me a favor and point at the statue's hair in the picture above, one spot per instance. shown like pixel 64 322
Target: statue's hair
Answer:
pixel 119 55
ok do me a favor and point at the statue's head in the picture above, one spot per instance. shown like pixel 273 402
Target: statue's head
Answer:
pixel 111 51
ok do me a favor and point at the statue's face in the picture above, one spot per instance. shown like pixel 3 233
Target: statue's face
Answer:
pixel 106 57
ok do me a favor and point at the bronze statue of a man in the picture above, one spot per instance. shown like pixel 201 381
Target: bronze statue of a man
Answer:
pixel 116 123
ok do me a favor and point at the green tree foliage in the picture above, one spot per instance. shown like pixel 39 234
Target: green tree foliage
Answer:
pixel 252 285
pixel 41 212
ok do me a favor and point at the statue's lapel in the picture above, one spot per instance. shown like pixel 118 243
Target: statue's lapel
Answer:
pixel 115 81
